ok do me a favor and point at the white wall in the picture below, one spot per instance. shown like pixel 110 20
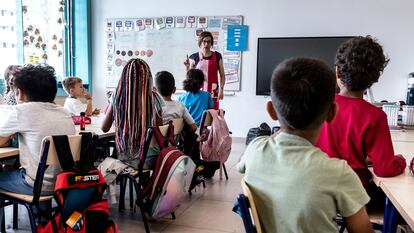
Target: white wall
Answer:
pixel 389 21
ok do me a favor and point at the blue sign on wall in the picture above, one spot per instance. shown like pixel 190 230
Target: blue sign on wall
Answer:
pixel 237 37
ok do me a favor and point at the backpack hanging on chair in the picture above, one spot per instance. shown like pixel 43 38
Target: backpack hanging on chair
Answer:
pixel 217 147
pixel 78 192
pixel 170 181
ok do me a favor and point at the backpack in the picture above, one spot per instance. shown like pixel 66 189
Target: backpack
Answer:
pixel 170 181
pixel 263 129
pixel 78 193
pixel 217 147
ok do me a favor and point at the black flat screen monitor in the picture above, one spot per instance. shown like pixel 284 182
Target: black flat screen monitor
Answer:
pixel 272 51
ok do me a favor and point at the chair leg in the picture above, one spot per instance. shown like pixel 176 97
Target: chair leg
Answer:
pixel 15 216
pixel 31 217
pixel 3 222
pixel 225 171
pixel 131 192
pixel 140 205
pixel 173 215
pixel 122 188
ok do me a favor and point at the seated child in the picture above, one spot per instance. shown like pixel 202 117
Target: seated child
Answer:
pixel 360 130
pixel 132 119
pixel 296 187
pixel 34 117
pixel 74 87
pixel 9 73
pixel 165 83
pixel 195 100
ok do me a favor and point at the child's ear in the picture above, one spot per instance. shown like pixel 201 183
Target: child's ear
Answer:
pixel 20 96
pixel 333 110
pixel 271 111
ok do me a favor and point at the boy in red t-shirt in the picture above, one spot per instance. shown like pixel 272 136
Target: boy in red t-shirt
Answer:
pixel 360 129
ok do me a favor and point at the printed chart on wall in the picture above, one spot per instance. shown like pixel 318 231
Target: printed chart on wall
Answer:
pixel 164 43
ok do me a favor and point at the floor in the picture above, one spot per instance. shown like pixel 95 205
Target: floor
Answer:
pixel 207 210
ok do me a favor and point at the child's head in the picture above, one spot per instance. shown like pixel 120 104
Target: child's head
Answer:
pixel 165 83
pixel 302 91
pixel 194 80
pixel 359 63
pixel 9 73
pixel 73 86
pixel 36 83
pixel 134 106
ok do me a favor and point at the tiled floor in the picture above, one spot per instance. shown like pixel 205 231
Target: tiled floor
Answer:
pixel 207 210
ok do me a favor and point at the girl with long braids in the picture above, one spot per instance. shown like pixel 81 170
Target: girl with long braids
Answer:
pixel 135 107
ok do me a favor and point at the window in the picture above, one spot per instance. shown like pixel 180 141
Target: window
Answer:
pixel 55 32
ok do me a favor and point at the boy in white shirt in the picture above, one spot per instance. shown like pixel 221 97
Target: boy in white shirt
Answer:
pixel 34 117
pixel 165 84
pixel 74 87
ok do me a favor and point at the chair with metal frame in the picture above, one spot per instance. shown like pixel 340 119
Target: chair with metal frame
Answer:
pixel 248 210
pixel 136 181
pixel 48 157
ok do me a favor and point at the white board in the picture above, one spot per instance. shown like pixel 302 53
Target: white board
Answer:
pixel 164 46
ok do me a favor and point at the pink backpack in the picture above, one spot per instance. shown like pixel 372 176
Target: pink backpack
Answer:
pixel 217 147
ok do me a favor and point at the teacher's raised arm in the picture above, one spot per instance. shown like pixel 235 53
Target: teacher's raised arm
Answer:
pixel 211 63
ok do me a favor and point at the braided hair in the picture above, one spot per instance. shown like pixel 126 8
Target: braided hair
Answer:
pixel 134 108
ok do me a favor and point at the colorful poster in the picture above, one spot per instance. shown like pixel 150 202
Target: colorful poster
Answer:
pixel 191 21
pixel 109 47
pixel 109 26
pixel 237 37
pixel 214 23
pixel 169 22
pixel 201 22
pixel 110 37
pixel 139 25
pixel 128 25
pixel 159 23
pixel 149 23
pixel 119 26
pixel 180 22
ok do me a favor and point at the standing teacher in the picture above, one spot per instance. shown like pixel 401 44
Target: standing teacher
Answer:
pixel 211 63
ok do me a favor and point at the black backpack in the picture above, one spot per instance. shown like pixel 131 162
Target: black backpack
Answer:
pixel 262 130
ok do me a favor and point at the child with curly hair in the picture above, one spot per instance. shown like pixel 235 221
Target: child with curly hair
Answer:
pixel 360 129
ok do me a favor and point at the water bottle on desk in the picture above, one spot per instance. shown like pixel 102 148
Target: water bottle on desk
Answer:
pixel 82 121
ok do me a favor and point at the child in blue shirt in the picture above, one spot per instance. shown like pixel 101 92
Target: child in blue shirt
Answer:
pixel 195 100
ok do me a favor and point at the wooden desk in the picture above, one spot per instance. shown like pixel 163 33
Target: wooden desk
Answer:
pixel 402 135
pixel 6 152
pixel 400 194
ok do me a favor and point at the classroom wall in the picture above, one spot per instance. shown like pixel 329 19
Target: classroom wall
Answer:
pixel 389 21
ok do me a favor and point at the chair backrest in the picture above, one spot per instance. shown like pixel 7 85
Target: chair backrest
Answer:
pixel 178 124
pixel 247 193
pixel 75 142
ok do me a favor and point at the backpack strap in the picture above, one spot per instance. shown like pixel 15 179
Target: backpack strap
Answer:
pixel 88 149
pixel 163 141
pixel 63 152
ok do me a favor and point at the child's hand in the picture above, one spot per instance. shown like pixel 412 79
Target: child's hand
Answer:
pixel 86 95
pixel 96 111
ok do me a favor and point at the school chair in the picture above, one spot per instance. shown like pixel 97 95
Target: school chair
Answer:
pixel 206 121
pixel 48 157
pixel 248 210
pixel 376 217
pixel 143 174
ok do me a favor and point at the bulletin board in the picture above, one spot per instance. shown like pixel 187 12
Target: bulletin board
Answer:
pixel 164 43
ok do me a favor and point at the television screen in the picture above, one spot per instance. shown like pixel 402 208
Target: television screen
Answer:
pixel 272 51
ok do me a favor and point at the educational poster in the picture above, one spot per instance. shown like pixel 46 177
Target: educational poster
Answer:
pixel 164 43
